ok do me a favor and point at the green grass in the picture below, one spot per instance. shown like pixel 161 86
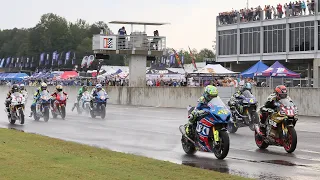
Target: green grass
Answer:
pixel 33 157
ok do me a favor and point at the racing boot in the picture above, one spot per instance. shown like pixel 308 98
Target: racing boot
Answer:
pixel 189 125
pixel 8 112
pixel 31 113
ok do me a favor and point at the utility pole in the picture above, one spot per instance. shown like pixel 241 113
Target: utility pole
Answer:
pixel 247 4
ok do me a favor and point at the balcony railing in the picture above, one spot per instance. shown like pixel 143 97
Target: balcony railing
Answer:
pixel 138 42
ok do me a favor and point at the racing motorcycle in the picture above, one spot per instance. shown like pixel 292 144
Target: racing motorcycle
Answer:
pixel 245 113
pixel 280 125
pixel 42 107
pixel 59 106
pixel 17 108
pixel 210 132
pixel 84 103
pixel 99 105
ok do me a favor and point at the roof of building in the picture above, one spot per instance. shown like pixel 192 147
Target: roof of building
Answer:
pixel 138 23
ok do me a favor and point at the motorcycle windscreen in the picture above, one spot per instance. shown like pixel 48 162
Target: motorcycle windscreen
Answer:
pixel 249 97
pixel 45 95
pixel 61 96
pixel 286 102
pixel 102 95
pixel 17 97
pixel 219 110
pixel 86 96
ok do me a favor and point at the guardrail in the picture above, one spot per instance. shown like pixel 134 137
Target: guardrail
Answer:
pixel 128 42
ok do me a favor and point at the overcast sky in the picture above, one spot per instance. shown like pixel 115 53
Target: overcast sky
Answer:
pixel 192 22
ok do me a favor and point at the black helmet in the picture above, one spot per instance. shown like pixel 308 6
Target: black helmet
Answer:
pixel 15 88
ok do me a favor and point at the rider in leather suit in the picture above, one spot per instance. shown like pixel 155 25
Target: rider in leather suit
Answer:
pixel 43 87
pixel 280 92
pixel 210 92
pixel 15 88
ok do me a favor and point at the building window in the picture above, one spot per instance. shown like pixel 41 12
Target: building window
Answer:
pixel 228 42
pixel 250 40
pixel 274 38
pixel 302 36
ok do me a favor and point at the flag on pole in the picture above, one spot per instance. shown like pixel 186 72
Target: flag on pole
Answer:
pixel 177 57
pixel 193 60
pixel 67 58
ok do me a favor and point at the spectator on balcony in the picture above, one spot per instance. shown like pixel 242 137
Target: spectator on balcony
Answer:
pixel 303 7
pixel 155 39
pixel 280 10
pixel 122 39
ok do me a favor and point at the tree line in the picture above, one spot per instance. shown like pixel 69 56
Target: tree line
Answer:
pixel 55 33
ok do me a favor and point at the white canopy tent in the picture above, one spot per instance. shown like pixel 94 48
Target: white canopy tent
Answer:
pixel 215 69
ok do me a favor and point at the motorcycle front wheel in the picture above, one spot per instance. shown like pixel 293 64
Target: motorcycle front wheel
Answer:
pixel 290 142
pixel 46 114
pixel 63 112
pixel 103 111
pixel 232 128
pixel 221 151
pixel 21 116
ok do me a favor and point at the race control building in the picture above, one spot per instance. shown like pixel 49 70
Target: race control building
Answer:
pixel 294 41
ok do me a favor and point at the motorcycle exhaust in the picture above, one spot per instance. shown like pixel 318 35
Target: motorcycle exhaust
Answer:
pixel 183 132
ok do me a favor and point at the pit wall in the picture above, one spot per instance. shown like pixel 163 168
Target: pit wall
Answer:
pixel 307 99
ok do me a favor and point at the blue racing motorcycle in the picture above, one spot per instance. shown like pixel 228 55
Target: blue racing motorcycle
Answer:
pixel 42 107
pixel 210 132
pixel 99 105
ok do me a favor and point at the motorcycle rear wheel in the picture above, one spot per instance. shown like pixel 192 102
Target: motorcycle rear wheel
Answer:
pixel 187 146
pixel 223 150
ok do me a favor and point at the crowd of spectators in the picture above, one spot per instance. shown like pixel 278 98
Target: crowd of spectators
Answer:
pixel 295 8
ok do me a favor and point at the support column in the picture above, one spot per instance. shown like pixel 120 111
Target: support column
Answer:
pixel 316 74
pixel 309 74
pixel 137 70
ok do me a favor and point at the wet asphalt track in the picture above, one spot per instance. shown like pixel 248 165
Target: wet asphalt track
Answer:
pixel 153 132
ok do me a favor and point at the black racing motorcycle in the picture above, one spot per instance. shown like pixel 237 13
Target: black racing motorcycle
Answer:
pixel 244 112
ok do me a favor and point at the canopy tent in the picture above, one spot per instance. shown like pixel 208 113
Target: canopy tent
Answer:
pixel 214 69
pixel 13 76
pixel 257 68
pixel 159 70
pixel 278 70
pixel 69 74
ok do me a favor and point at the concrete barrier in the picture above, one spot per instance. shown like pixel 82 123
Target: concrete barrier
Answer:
pixel 179 97
pixel 307 99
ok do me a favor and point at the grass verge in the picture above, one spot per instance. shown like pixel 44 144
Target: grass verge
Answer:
pixel 31 157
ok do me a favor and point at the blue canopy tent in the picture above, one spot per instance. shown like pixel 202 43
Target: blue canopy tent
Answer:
pixel 15 76
pixel 257 68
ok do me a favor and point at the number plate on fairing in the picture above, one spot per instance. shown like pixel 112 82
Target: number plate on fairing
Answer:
pixel 203 130
pixel 274 124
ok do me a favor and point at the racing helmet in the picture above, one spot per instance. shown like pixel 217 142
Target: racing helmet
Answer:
pixel 21 86
pixel 210 92
pixel 15 88
pixel 59 88
pixel 98 87
pixel 281 92
pixel 247 86
pixel 43 86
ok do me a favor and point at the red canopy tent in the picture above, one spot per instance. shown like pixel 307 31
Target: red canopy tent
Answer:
pixel 69 74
